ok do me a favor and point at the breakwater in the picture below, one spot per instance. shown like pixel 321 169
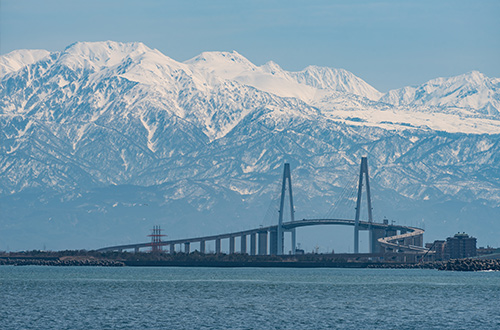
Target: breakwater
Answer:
pixel 471 265
pixel 462 265
pixel 26 261
pixel 196 259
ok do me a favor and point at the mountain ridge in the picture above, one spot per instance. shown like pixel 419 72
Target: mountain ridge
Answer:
pixel 104 124
pixel 93 51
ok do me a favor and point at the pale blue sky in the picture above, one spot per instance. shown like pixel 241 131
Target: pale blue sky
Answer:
pixel 390 44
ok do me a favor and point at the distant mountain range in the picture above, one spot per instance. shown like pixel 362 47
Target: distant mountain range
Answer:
pixel 103 140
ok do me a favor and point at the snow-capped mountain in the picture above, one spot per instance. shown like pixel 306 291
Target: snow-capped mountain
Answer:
pixel 18 59
pixel 472 91
pixel 307 85
pixel 106 135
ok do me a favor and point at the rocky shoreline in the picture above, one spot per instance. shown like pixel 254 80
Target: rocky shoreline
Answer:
pixel 61 262
pixel 469 265
pixel 92 258
pixel 461 265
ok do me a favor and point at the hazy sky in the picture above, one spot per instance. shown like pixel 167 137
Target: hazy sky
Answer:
pixel 389 44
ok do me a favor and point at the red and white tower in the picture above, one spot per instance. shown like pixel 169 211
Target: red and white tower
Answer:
pixel 156 240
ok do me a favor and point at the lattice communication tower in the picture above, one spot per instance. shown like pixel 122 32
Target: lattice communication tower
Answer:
pixel 156 240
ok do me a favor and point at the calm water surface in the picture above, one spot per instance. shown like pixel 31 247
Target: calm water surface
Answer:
pixel 37 297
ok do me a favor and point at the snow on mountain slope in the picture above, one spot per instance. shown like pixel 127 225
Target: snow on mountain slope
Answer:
pixel 137 93
pixel 109 79
pixel 468 104
pixel 233 66
pixel 102 54
pixel 128 95
pixel 310 84
pixel 223 64
pixel 18 59
pixel 472 91
pixel 336 80
pixel 340 95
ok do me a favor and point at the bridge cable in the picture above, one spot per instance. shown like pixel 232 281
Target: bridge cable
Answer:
pixel 344 198
pixel 271 215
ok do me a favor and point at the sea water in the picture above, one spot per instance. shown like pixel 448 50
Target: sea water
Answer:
pixel 40 297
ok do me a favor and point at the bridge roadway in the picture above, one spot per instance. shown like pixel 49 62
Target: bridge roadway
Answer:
pixel 383 236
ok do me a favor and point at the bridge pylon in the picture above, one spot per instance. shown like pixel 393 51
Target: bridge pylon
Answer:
pixel 280 229
pixel 363 172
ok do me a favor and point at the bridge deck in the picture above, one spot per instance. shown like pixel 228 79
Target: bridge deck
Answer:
pixel 391 242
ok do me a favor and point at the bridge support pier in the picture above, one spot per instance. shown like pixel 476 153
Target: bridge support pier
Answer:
pixel 243 245
pixel 136 250
pixel 274 242
pixel 375 234
pixel 390 232
pixel 263 243
pixel 418 240
pixel 186 247
pixel 217 245
pixel 253 244
pixel 231 245
pixel 202 247
pixel 172 248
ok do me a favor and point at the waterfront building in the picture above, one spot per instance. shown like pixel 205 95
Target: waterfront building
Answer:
pixel 439 249
pixel 481 251
pixel 459 246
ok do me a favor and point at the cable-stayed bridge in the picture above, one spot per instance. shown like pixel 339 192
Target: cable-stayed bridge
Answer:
pixel 383 237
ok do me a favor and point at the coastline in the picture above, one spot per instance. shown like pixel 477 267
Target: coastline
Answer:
pixel 195 259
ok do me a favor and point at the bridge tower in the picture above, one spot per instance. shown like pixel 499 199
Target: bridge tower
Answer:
pixel 363 172
pixel 280 230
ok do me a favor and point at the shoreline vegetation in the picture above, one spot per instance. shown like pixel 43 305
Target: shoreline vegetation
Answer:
pixel 196 259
